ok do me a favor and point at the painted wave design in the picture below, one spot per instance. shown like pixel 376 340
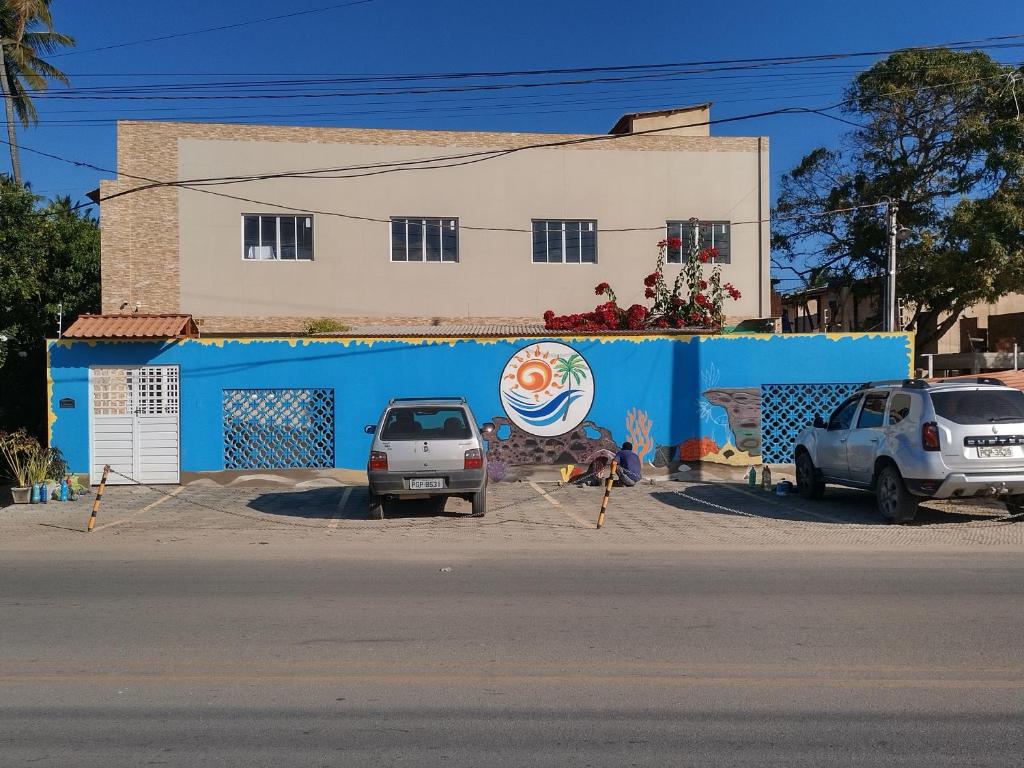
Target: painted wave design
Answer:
pixel 542 414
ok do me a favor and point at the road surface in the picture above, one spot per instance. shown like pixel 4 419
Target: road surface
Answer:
pixel 295 655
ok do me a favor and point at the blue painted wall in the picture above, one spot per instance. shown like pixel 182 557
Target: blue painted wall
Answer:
pixel 662 376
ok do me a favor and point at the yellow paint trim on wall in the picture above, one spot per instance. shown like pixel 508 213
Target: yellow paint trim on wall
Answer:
pixel 293 341
pixel 51 415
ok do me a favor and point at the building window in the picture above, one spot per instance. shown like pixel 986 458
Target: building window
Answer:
pixel 416 239
pixel 713 234
pixel 277 238
pixel 564 242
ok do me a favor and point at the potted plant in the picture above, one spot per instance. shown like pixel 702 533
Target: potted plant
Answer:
pixel 17 449
pixel 43 465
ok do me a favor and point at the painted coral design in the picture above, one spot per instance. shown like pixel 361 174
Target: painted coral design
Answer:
pixel 638 432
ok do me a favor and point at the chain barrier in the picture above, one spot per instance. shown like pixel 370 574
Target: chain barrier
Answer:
pixel 995 521
pixel 559 490
pixel 389 523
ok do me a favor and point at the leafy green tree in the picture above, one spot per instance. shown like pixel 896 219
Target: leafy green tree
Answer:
pixel 939 132
pixel 26 35
pixel 49 255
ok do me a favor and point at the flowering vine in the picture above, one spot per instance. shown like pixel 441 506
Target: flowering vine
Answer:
pixel 692 301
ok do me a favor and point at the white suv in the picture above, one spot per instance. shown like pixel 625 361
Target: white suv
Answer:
pixel 912 440
pixel 427 448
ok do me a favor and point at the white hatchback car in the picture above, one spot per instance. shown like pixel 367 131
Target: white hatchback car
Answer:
pixel 427 448
pixel 913 440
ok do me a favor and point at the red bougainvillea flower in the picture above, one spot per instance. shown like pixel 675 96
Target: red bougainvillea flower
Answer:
pixel 548 316
pixel 662 243
pixel 731 290
pixel 636 315
pixel 649 293
pixel 695 317
pixel 703 285
pixel 651 279
pixel 674 242
pixel 601 288
pixel 661 323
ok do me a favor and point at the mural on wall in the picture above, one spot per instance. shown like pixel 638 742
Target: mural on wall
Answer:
pixel 559 403
pixel 547 389
pixel 742 406
pixel 638 432
pixel 520 449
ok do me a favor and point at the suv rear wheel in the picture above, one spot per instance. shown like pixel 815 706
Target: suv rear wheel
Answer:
pixel 808 484
pixel 895 502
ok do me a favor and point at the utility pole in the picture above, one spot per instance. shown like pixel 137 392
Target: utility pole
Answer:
pixel 891 323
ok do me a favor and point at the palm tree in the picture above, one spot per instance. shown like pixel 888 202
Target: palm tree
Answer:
pixel 26 31
pixel 571 368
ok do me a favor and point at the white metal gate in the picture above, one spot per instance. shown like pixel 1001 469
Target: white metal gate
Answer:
pixel 134 423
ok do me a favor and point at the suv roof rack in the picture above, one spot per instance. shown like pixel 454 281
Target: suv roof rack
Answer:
pixel 420 399
pixel 909 383
pixel 968 380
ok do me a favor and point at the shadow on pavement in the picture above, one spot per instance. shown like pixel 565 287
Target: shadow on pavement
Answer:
pixel 344 503
pixel 838 507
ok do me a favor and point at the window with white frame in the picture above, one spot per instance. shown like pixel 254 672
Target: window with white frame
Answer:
pixel 422 239
pixel 564 242
pixel 271 237
pixel 712 234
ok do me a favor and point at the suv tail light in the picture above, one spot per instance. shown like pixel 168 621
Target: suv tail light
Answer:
pixel 474 459
pixel 930 436
pixel 378 461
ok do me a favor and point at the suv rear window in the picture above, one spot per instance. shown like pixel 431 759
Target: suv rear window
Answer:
pixel 980 406
pixel 425 424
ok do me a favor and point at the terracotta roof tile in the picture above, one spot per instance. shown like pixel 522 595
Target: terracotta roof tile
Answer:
pixel 134 326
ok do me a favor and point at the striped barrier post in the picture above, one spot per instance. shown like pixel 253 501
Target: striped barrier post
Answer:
pixel 99 497
pixel 607 493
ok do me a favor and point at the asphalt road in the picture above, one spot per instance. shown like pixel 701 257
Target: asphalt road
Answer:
pixel 278 656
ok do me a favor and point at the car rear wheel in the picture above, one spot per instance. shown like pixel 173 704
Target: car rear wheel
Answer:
pixel 376 507
pixel 480 502
pixel 808 484
pixel 895 502
pixel 1015 505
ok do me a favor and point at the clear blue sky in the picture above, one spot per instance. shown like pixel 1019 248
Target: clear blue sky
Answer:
pixel 402 36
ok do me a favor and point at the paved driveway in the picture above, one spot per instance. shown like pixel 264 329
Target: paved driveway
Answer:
pixel 674 514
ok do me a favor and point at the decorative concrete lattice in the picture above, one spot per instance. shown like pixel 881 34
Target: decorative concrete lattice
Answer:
pixel 278 428
pixel 787 408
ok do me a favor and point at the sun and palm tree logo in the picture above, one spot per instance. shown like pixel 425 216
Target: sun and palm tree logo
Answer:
pixel 547 388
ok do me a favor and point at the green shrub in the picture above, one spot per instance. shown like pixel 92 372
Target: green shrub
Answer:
pixel 325 325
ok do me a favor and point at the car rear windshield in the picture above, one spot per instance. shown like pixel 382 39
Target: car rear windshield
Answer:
pixel 979 406
pixel 409 423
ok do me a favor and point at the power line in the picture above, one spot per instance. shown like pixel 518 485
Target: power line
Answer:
pixel 221 28
pixel 471 158
pixel 193 187
pixel 647 72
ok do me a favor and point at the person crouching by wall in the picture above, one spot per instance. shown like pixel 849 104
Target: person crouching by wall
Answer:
pixel 628 469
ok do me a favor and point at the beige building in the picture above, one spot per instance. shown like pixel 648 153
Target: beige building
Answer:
pixel 370 226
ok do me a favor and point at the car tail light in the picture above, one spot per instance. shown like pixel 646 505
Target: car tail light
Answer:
pixel 474 459
pixel 930 436
pixel 378 461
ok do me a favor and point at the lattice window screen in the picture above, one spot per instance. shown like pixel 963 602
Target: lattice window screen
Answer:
pixel 155 390
pixel 278 428
pixel 787 408
pixel 110 392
